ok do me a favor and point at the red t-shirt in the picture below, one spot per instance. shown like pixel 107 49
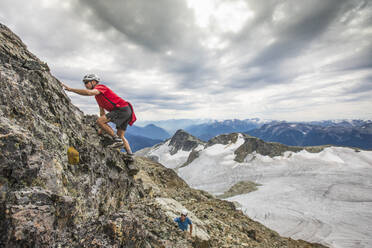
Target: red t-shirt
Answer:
pixel 107 93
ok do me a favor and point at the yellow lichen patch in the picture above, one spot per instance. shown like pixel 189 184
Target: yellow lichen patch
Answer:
pixel 57 124
pixel 73 155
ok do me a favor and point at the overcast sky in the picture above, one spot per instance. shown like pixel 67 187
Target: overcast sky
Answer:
pixel 293 60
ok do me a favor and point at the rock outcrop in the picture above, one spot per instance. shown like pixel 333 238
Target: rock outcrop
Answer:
pixel 184 141
pixel 272 149
pixel 242 187
pixel 97 201
pixel 223 139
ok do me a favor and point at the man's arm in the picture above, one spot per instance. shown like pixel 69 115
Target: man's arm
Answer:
pixel 190 229
pixel 83 92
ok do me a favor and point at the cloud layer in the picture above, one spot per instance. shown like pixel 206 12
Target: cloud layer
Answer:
pixel 292 60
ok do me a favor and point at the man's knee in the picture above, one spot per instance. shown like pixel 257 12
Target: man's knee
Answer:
pixel 120 132
pixel 101 120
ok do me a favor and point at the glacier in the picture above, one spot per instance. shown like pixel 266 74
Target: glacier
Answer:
pixel 323 197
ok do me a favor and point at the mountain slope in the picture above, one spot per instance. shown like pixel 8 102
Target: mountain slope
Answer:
pixel 96 199
pixel 319 194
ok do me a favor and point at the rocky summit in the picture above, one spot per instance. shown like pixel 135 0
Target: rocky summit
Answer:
pixel 183 141
pixel 96 199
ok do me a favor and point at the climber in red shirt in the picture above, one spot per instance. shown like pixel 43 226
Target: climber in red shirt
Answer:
pixel 120 111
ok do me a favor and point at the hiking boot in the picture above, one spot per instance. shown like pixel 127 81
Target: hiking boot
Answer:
pixel 116 143
pixel 132 169
pixel 129 157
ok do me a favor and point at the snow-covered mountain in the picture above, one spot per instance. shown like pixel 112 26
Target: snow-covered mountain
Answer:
pixel 175 152
pixel 319 194
pixel 354 133
pixel 340 123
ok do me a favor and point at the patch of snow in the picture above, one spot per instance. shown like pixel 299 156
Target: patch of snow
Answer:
pixel 162 153
pixel 199 148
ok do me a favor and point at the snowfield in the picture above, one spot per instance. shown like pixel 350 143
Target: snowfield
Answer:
pixel 321 197
pixel 326 199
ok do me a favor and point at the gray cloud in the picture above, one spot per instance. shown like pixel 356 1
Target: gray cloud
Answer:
pixel 160 27
pixel 156 25
pixel 305 26
pixel 155 54
pixel 292 37
pixel 359 60
pixel 364 86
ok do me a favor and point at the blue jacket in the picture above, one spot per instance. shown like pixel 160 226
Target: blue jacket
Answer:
pixel 183 225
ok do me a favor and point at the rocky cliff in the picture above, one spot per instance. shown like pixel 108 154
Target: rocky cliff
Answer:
pixel 101 201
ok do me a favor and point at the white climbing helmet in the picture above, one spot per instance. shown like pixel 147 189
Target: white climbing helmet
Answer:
pixel 184 212
pixel 90 77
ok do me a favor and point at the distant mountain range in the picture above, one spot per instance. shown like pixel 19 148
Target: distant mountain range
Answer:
pixel 172 125
pixel 139 142
pixel 352 134
pixel 209 130
pixel 355 133
pixel 149 131
pixel 142 137
pixel 339 123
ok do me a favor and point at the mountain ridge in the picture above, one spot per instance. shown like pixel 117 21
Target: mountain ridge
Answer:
pixel 185 142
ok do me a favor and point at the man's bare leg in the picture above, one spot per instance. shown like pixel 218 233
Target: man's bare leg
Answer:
pixel 121 133
pixel 102 122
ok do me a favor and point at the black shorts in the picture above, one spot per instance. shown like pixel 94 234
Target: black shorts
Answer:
pixel 121 117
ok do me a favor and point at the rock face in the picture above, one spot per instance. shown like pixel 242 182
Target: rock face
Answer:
pixel 181 140
pixel 97 202
pixel 223 139
pixel 252 144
